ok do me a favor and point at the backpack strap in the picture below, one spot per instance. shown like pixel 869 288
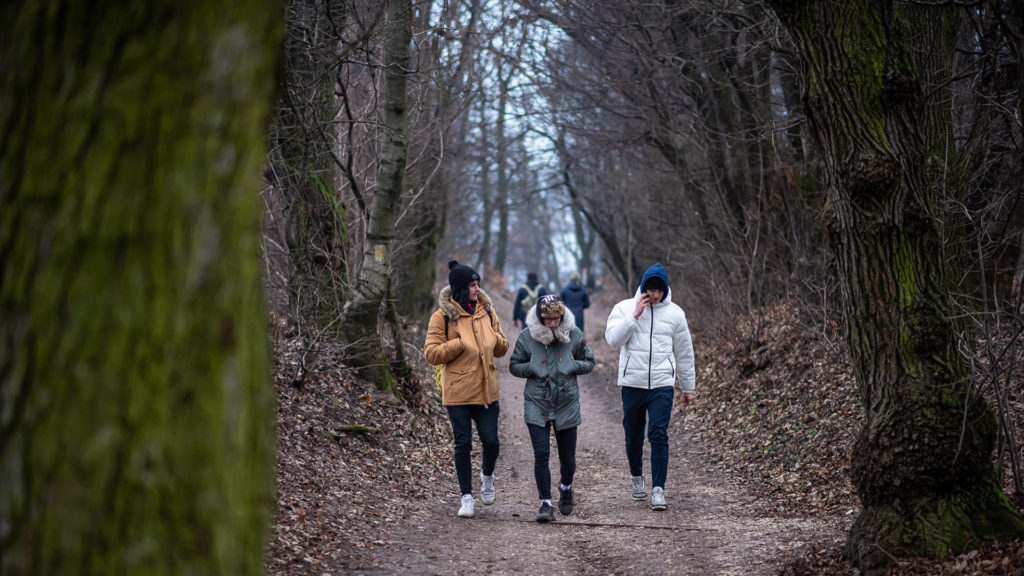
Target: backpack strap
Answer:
pixel 445 316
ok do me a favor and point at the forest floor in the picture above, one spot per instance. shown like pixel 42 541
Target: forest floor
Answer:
pixel 758 480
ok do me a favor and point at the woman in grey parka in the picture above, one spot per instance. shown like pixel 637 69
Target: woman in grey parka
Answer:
pixel 550 352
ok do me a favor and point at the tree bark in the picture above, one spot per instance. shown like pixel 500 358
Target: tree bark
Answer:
pixel 307 174
pixel 136 412
pixel 451 89
pixel 874 78
pixel 487 197
pixel 501 167
pixel 363 310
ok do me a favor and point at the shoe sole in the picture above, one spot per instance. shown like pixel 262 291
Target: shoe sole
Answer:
pixel 545 520
pixel 487 502
pixel 461 515
pixel 658 508
pixel 641 497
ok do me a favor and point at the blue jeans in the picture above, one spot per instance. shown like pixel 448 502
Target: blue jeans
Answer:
pixel 651 409
pixel 540 437
pixel 462 418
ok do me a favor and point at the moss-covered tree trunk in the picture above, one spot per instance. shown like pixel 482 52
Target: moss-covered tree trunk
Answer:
pixel 363 310
pixel 875 88
pixel 304 162
pixel 416 297
pixel 136 412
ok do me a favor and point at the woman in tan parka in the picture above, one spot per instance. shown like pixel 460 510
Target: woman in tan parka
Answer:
pixel 465 335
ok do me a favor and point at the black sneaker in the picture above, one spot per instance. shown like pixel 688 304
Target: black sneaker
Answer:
pixel 565 501
pixel 546 514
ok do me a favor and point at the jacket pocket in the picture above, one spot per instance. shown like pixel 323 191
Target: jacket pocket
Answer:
pixel 460 379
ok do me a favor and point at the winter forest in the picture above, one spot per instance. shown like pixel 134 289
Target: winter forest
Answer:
pixel 225 226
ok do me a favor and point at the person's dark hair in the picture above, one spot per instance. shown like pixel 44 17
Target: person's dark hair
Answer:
pixel 531 278
pixel 655 283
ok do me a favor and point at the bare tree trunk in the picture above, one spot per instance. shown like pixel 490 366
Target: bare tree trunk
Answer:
pixel 501 250
pixel 304 168
pixel 875 77
pixel 136 429
pixel 363 310
pixel 421 227
pixel 487 197
pixel 445 157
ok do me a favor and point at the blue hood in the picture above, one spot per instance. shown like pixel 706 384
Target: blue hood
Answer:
pixel 656 271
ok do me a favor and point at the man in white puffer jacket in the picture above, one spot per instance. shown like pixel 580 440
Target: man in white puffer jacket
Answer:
pixel 656 354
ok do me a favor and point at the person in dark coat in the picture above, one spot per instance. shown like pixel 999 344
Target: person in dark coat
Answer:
pixel 527 298
pixel 576 298
pixel 550 353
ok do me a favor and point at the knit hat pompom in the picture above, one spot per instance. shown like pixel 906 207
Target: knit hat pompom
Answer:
pixel 460 276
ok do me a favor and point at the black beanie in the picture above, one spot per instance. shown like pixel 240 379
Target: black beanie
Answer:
pixel 459 276
pixel 654 283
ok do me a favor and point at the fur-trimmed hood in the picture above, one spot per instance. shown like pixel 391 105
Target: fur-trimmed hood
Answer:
pixel 541 333
pixel 452 308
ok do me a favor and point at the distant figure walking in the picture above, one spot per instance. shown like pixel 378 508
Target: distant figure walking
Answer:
pixel 656 353
pixel 576 298
pixel 527 298
pixel 465 335
pixel 550 353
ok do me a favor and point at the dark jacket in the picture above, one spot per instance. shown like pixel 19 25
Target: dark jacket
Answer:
pixel 550 363
pixel 576 299
pixel 517 309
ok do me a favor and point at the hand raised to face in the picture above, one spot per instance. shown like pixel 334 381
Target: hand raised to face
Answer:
pixel 641 303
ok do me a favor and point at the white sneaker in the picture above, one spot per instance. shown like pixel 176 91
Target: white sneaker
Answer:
pixel 658 498
pixel 487 488
pixel 639 491
pixel 466 510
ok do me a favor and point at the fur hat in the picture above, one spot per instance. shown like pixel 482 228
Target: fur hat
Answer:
pixel 550 306
pixel 459 276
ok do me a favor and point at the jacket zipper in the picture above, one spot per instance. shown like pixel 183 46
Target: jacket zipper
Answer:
pixel 650 351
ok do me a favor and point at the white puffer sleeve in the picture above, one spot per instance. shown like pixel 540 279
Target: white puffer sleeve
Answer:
pixel 621 324
pixel 682 347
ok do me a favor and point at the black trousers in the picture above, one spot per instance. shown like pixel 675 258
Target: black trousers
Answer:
pixel 540 436
pixel 462 419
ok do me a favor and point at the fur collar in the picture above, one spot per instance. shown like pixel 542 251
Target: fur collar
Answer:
pixel 541 333
pixel 452 308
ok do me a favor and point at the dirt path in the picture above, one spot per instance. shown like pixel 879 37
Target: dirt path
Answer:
pixel 707 528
